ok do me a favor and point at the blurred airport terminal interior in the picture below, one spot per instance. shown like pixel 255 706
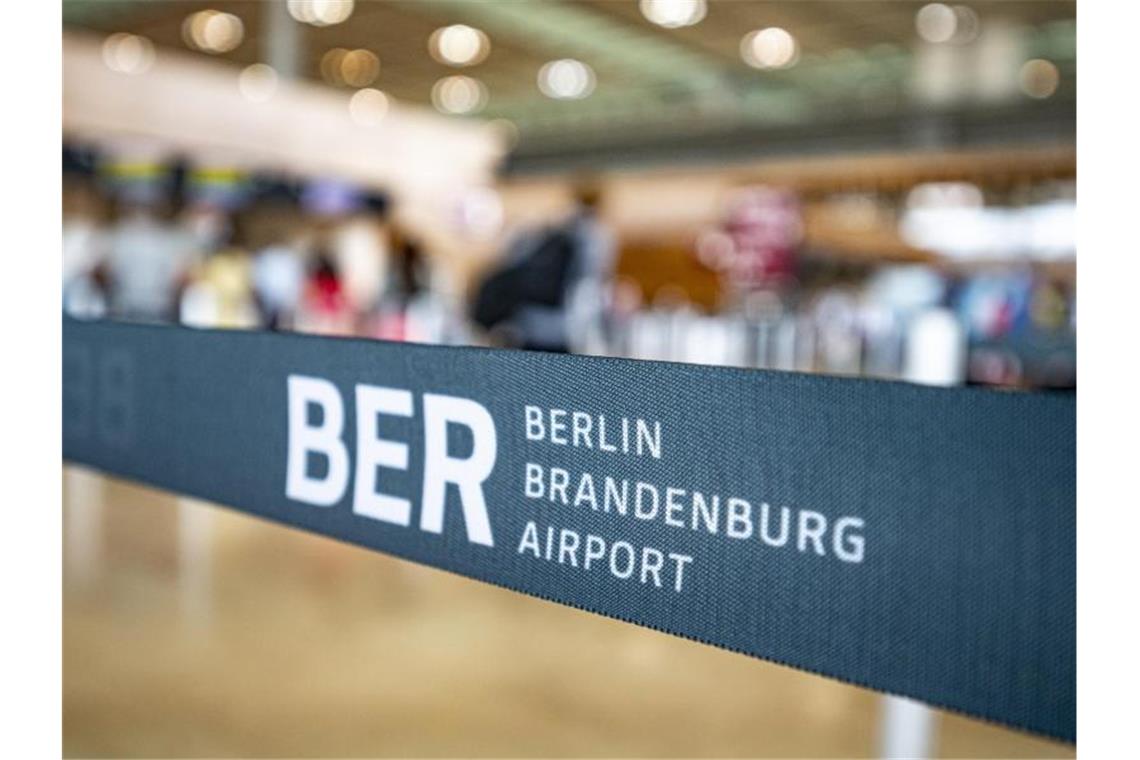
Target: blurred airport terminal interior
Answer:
pixel 870 188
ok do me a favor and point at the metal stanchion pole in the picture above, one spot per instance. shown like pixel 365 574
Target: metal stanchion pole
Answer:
pixel 83 521
pixel 195 523
pixel 908 729
pixel 935 355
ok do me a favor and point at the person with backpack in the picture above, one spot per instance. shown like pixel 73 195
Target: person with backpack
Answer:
pixel 549 279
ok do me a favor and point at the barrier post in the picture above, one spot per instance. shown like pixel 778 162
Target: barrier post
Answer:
pixel 195 524
pixel 83 516
pixel 935 355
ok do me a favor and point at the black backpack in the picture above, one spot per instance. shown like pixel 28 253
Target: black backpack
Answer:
pixel 539 279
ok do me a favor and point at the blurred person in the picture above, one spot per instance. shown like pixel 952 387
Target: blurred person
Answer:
pixel 278 283
pixel 147 259
pixel 324 307
pixel 416 305
pixel 207 227
pixel 355 240
pixel 361 251
pixel 220 292
pixel 433 311
pixel 404 283
pixel 550 280
pixel 84 250
pixel 420 302
pixel 591 299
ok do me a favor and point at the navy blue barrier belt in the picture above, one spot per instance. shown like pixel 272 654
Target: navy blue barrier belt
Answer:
pixel 915 540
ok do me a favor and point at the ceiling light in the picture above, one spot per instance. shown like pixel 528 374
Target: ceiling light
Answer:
pixel 673 14
pixel 330 66
pixel 368 107
pixel 459 45
pixel 258 82
pixel 1039 78
pixel 967 25
pixel 359 68
pixel 320 12
pixel 771 48
pixel 566 79
pixel 356 68
pixel 458 95
pixel 212 31
pixel 128 53
pixel 936 22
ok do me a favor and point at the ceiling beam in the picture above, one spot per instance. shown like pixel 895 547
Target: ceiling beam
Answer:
pixel 1049 122
pixel 848 82
pixel 82 12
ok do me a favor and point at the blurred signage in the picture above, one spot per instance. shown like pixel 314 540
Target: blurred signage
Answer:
pixel 756 245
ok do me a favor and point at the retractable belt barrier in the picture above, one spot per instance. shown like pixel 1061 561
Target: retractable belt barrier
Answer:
pixel 915 540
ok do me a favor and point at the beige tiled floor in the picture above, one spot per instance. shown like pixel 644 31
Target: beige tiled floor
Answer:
pixel 278 643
